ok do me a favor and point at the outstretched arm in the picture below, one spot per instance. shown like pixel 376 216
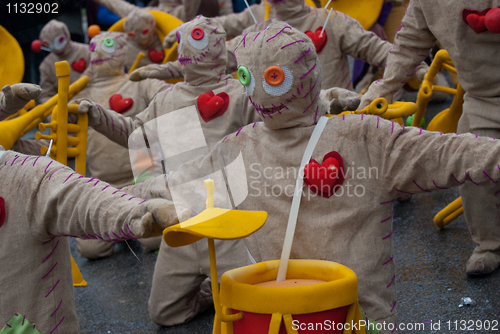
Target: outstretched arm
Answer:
pixel 235 23
pixel 14 98
pixel 169 70
pixel 60 202
pixel 411 45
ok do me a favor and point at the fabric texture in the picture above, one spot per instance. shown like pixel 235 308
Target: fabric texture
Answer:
pixel 474 57
pixel 76 54
pixel 14 98
pixel 354 226
pixel 58 202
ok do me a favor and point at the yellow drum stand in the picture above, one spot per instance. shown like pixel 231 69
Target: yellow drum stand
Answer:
pixel 11 59
pixel 245 308
pixel 446 121
pixel 380 107
pixel 59 129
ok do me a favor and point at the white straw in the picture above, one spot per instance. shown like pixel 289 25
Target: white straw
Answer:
pixel 328 17
pixel 248 6
pixel 50 147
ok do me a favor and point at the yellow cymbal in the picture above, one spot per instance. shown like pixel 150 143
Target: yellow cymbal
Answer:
pixel 215 223
pixel 365 11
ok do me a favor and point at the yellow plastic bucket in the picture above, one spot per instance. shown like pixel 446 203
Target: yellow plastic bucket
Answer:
pixel 286 310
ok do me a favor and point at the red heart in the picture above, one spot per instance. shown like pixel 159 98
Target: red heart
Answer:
pixel 325 179
pixel 2 211
pixel 492 20
pixel 475 19
pixel 212 106
pixel 119 104
pixel 319 42
pixel 156 56
pixel 80 65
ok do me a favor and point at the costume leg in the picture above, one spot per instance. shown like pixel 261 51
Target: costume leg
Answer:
pixel 94 249
pixel 482 203
pixel 176 296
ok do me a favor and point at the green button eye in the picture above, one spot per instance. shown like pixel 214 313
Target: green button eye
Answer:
pixel 109 42
pixel 244 75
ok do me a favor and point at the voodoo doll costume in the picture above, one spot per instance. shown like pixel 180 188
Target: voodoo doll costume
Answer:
pixel 14 98
pixel 110 86
pixel 55 36
pixel 345 217
pixel 42 203
pixel 469 31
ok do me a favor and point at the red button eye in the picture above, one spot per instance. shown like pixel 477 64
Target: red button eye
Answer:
pixel 145 31
pixel 197 33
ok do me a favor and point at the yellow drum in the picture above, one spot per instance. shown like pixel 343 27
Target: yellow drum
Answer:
pixel 316 293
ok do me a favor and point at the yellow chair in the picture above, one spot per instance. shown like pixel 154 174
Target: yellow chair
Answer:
pixel 11 59
pixel 446 121
pixel 245 308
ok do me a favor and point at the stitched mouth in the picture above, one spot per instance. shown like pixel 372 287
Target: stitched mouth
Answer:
pixel 184 60
pixel 99 61
pixel 267 111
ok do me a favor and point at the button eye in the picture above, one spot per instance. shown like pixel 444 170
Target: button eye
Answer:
pixel 197 33
pixel 244 76
pixel 108 45
pixel 109 42
pixel 274 75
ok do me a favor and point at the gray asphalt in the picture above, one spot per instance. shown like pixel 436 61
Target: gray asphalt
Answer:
pixel 430 277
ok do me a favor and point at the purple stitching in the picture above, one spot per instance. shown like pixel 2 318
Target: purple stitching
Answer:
pixel 404 192
pixel 388 217
pixel 284 106
pixel 57 325
pixel 216 58
pixel 495 182
pixel 309 90
pixel 52 289
pixel 435 185
pixel 392 280
pixel 132 198
pixel 256 36
pixel 391 201
pixel 387 236
pixel 393 306
pixel 285 27
pixel 50 270
pixel 14 160
pixel 254 125
pixel 105 187
pixel 467 175
pixel 214 30
pixel 312 68
pixel 57 308
pixel 56 171
pixel 378 119
pixel 130 230
pixel 314 100
pixel 220 39
pixel 291 44
pixel 392 130
pixel 46 242
pixel 45 171
pixel 386 262
pixel 215 67
pixel 308 50
pixel 427 191
pixel 24 318
pixel 142 202
pixel 237 133
pixel 69 177
pixel 53 249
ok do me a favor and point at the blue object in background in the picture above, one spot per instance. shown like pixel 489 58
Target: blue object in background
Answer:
pixel 106 17
pixel 239 5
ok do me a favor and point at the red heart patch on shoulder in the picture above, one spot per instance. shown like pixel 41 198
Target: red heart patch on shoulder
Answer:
pixel 119 104
pixel 212 106
pixel 79 66
pixel 2 211
pixel 475 19
pixel 156 56
pixel 319 41
pixel 325 179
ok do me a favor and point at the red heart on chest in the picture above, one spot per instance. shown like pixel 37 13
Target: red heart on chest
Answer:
pixel 319 42
pixel 119 104
pixel 2 211
pixel 79 66
pixel 156 56
pixel 475 19
pixel 212 106
pixel 325 179
pixel 492 20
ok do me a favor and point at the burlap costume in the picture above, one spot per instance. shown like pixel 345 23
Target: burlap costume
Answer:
pixel 204 70
pixel 381 160
pixel 13 98
pixel 56 35
pixel 43 202
pixel 106 160
pixel 474 56
pixel 185 10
